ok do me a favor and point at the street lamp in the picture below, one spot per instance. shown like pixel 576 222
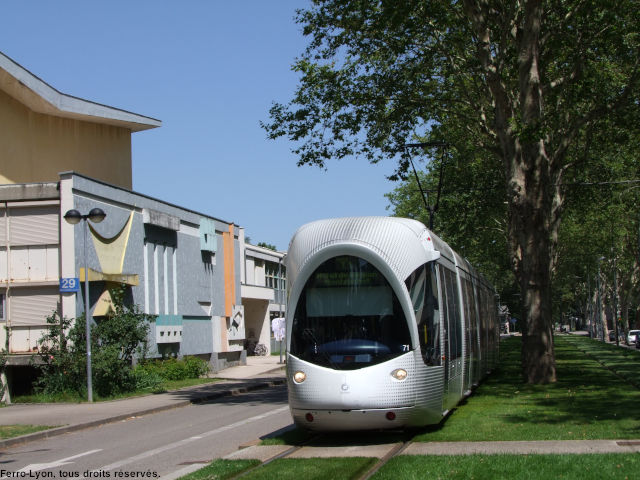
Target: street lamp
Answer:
pixel 96 215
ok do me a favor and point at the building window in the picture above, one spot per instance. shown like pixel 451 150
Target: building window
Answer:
pixel 2 307
pixel 272 279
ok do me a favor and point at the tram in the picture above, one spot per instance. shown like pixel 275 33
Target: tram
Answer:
pixel 387 327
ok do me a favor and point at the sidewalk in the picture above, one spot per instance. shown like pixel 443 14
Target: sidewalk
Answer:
pixel 260 372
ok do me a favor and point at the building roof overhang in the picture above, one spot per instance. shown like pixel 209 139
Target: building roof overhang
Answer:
pixel 41 97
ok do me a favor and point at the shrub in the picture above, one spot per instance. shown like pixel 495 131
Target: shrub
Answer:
pixel 114 342
pixel 195 367
pixel 172 369
pixel 147 379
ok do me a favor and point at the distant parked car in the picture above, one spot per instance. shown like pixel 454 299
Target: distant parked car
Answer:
pixel 633 336
pixel 638 342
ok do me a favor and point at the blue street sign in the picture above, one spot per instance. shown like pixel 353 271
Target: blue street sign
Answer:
pixel 70 284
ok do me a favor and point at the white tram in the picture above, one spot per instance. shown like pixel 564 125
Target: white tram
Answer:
pixel 387 327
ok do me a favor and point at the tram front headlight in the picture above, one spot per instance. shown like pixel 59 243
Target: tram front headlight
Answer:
pixel 299 376
pixel 399 374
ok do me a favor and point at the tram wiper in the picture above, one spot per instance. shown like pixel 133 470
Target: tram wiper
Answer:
pixel 307 334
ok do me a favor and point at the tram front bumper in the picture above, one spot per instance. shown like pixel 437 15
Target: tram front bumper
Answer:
pixel 348 420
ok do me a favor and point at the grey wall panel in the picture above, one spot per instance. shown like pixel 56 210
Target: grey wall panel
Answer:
pixel 197 336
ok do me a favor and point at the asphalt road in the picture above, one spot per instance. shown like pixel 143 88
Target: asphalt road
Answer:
pixel 167 444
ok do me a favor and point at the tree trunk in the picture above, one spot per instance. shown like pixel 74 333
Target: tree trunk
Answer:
pixel 529 232
pixel 529 173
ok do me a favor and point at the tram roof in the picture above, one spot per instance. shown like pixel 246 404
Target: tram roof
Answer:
pixel 380 234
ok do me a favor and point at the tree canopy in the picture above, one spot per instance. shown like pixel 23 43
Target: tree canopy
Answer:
pixel 520 87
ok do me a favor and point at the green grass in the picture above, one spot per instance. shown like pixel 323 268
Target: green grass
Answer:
pixel 313 469
pixel 221 469
pixel 10 431
pixel 587 402
pixel 584 467
pixel 624 362
pixel 286 469
pixel 72 397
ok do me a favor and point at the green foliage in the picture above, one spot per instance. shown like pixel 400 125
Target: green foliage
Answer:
pixel 267 245
pixel 529 94
pixel 114 342
pixel 171 369
pixel 3 363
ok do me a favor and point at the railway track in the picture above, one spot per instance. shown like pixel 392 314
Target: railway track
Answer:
pixel 396 450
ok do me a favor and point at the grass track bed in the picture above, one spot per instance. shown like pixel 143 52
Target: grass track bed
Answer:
pixel 287 469
pixel 584 467
pixel 588 402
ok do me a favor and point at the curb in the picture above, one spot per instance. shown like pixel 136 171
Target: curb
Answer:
pixel 52 432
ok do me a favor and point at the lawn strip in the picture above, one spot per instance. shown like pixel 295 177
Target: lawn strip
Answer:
pixel 10 431
pixel 221 469
pixel 622 361
pixel 585 467
pixel 587 402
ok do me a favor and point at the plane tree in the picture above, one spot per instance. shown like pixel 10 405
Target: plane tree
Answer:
pixel 525 80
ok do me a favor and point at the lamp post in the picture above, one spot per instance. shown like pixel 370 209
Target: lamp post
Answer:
pixel 96 215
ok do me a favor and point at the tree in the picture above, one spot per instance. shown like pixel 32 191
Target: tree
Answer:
pixel 524 81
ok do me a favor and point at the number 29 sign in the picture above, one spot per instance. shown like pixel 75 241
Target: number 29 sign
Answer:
pixel 70 284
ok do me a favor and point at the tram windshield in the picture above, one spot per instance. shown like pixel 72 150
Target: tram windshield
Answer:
pixel 348 317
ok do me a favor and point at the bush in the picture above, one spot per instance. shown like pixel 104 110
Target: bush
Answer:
pixel 114 342
pixel 147 379
pixel 172 369
pixel 195 367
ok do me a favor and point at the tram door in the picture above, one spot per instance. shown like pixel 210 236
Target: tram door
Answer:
pixel 453 338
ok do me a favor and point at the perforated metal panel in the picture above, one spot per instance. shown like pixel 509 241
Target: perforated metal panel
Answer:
pixel 381 234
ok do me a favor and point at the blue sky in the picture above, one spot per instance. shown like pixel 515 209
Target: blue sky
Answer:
pixel 209 70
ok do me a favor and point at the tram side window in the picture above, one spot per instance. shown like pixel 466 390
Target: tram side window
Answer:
pixel 472 318
pixel 453 307
pixel 423 291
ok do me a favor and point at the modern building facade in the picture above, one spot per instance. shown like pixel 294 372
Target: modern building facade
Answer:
pixel 186 268
pixel 181 266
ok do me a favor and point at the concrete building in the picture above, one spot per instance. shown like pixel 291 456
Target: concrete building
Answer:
pixel 263 290
pixel 45 132
pixel 182 266
pixel 185 267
